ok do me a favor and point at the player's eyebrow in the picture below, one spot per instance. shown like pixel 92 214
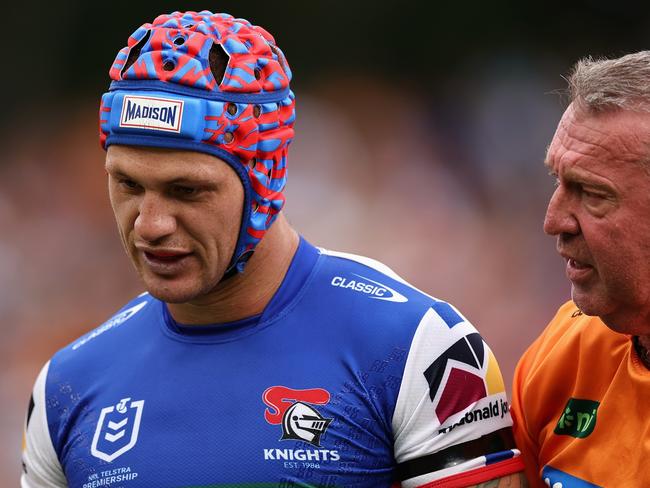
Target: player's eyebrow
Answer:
pixel 116 172
pixel 192 181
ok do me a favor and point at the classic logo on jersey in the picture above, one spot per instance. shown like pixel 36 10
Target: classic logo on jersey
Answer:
pixel 294 410
pixel 578 418
pixel 372 288
pixel 559 479
pixel 163 114
pixel 117 429
pixel 465 373
pixel 119 319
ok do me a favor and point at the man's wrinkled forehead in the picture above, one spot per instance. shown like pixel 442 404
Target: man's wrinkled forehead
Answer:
pixel 617 134
pixel 560 132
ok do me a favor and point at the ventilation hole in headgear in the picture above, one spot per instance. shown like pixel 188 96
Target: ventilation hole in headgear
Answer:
pixel 169 66
pixel 257 110
pixel 189 26
pixel 228 137
pixel 255 206
pixel 218 62
pixel 179 41
pixel 258 73
pixel 134 53
pixel 231 108
pixel 252 163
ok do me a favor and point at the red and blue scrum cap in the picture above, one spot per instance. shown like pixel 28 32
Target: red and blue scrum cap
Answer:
pixel 214 84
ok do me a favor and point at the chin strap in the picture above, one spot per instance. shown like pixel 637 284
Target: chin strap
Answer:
pixel 238 266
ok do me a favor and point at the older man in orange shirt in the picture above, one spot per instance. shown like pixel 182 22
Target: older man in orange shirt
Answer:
pixel 582 390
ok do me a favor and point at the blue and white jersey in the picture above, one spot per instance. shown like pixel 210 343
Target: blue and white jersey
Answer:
pixel 349 378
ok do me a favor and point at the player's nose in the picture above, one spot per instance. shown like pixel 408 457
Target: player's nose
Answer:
pixel 155 218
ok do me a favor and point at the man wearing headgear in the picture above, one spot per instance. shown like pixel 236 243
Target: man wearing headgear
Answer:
pixel 582 390
pixel 254 358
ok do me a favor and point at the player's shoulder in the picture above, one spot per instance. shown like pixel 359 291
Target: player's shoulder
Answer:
pixel 113 334
pixel 368 285
pixel 364 276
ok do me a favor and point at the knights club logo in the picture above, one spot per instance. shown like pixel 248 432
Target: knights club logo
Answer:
pixel 117 429
pixel 294 410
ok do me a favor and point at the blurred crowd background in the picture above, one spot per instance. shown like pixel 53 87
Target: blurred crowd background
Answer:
pixel 421 133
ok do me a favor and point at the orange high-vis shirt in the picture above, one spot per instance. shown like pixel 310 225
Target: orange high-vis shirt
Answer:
pixel 581 406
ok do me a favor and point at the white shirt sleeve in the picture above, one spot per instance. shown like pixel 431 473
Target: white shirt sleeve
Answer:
pixel 452 403
pixel 41 466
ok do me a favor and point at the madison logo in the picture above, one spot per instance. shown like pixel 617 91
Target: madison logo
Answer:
pixel 117 429
pixel 294 411
pixel 152 113
pixel 456 377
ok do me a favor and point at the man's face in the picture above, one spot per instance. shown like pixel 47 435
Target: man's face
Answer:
pixel 178 214
pixel 600 213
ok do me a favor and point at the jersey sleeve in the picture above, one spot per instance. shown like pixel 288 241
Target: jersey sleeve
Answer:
pixel 41 467
pixel 451 423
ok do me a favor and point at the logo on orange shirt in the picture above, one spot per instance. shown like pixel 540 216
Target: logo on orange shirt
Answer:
pixel 578 418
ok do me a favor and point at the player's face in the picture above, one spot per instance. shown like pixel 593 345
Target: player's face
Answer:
pixel 600 213
pixel 178 214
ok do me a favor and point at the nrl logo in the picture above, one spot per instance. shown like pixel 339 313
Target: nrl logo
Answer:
pixel 117 429
pixel 300 421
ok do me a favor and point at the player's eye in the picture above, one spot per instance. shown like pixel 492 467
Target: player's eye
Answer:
pixel 183 191
pixel 128 184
